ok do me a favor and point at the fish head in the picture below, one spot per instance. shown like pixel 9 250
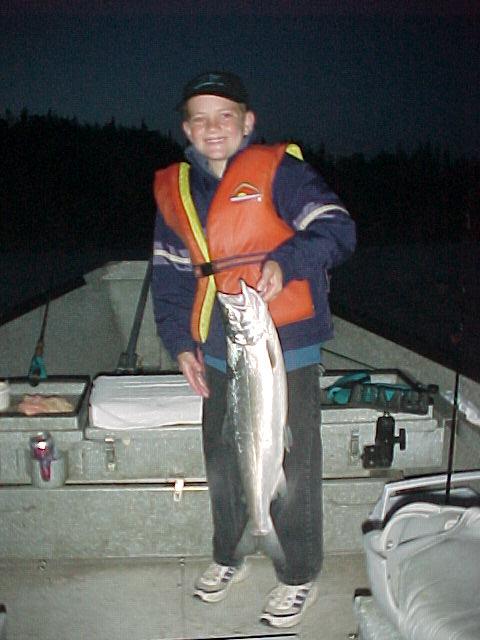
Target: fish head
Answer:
pixel 245 315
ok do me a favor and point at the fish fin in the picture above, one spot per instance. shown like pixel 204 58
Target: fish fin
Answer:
pixel 244 287
pixel 271 354
pixel 287 437
pixel 281 489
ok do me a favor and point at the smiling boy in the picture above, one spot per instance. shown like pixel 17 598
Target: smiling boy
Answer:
pixel 216 127
pixel 256 212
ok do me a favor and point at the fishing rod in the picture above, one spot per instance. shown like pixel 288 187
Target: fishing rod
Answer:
pixel 453 433
pixel 459 346
pixel 458 341
pixel 128 360
pixel 37 370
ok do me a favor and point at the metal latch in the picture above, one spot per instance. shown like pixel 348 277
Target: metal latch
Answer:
pixel 110 457
pixel 354 446
pixel 178 489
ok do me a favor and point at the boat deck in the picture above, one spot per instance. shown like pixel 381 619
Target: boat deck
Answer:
pixel 150 599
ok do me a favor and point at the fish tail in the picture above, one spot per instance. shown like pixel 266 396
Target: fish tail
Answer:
pixel 269 544
pixel 247 545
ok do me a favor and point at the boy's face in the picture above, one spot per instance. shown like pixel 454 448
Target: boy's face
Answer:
pixel 216 127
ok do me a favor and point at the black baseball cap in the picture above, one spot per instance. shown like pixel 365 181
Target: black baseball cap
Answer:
pixel 216 83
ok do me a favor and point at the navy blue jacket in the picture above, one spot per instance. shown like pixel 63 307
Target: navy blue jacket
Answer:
pixel 324 238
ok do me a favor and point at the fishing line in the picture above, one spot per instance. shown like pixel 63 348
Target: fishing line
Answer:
pixel 364 365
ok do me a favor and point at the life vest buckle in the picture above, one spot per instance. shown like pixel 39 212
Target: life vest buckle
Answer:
pixel 204 269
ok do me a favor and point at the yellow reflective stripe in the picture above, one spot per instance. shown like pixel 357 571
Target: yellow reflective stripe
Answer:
pixel 196 227
pixel 207 308
pixel 192 215
pixel 294 150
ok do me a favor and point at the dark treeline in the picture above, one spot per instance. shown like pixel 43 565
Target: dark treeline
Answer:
pixel 396 198
pixel 79 185
pixel 73 184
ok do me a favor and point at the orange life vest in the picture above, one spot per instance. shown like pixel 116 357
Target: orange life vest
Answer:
pixel 242 227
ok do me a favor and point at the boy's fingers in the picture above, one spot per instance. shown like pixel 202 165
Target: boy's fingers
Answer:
pixel 194 372
pixel 271 280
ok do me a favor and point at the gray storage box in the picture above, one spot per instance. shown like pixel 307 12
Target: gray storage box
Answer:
pixel 149 520
pixel 372 623
pixel 71 388
pixel 139 455
pixel 17 428
pixel 347 429
pixel 167 452
pixel 111 521
pixel 153 454
pixel 347 503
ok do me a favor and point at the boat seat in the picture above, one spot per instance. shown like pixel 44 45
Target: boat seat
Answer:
pixel 423 563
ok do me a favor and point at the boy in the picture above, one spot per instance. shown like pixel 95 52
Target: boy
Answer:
pixel 257 212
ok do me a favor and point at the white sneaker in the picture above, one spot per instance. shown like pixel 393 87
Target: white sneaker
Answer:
pixel 215 581
pixel 287 603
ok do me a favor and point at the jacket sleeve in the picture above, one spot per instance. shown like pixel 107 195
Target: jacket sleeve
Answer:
pixel 173 289
pixel 324 231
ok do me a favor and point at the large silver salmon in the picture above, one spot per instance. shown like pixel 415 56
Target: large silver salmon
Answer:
pixel 256 411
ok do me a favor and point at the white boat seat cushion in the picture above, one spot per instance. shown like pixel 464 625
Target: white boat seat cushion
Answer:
pixel 143 402
pixel 424 569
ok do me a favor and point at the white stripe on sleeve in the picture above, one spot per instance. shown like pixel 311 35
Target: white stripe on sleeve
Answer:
pixel 302 222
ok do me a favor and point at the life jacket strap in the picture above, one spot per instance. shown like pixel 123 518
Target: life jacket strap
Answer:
pixel 208 292
pixel 223 264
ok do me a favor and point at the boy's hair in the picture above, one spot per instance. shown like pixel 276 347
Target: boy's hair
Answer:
pixel 185 114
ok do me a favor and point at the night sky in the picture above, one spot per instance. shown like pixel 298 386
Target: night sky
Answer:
pixel 360 78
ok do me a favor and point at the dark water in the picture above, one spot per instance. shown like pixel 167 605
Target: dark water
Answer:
pixel 425 297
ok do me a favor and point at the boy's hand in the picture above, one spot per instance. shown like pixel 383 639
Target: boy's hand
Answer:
pixel 271 281
pixel 193 368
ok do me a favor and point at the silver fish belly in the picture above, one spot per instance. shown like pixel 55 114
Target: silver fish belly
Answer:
pixel 257 402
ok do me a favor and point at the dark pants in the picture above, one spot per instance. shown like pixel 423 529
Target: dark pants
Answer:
pixel 298 515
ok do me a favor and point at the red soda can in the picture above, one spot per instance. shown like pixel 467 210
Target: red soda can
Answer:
pixel 42 448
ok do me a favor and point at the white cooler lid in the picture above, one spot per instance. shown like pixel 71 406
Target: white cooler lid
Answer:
pixel 143 402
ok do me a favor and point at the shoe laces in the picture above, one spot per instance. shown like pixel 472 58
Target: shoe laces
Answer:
pixel 285 595
pixel 215 571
